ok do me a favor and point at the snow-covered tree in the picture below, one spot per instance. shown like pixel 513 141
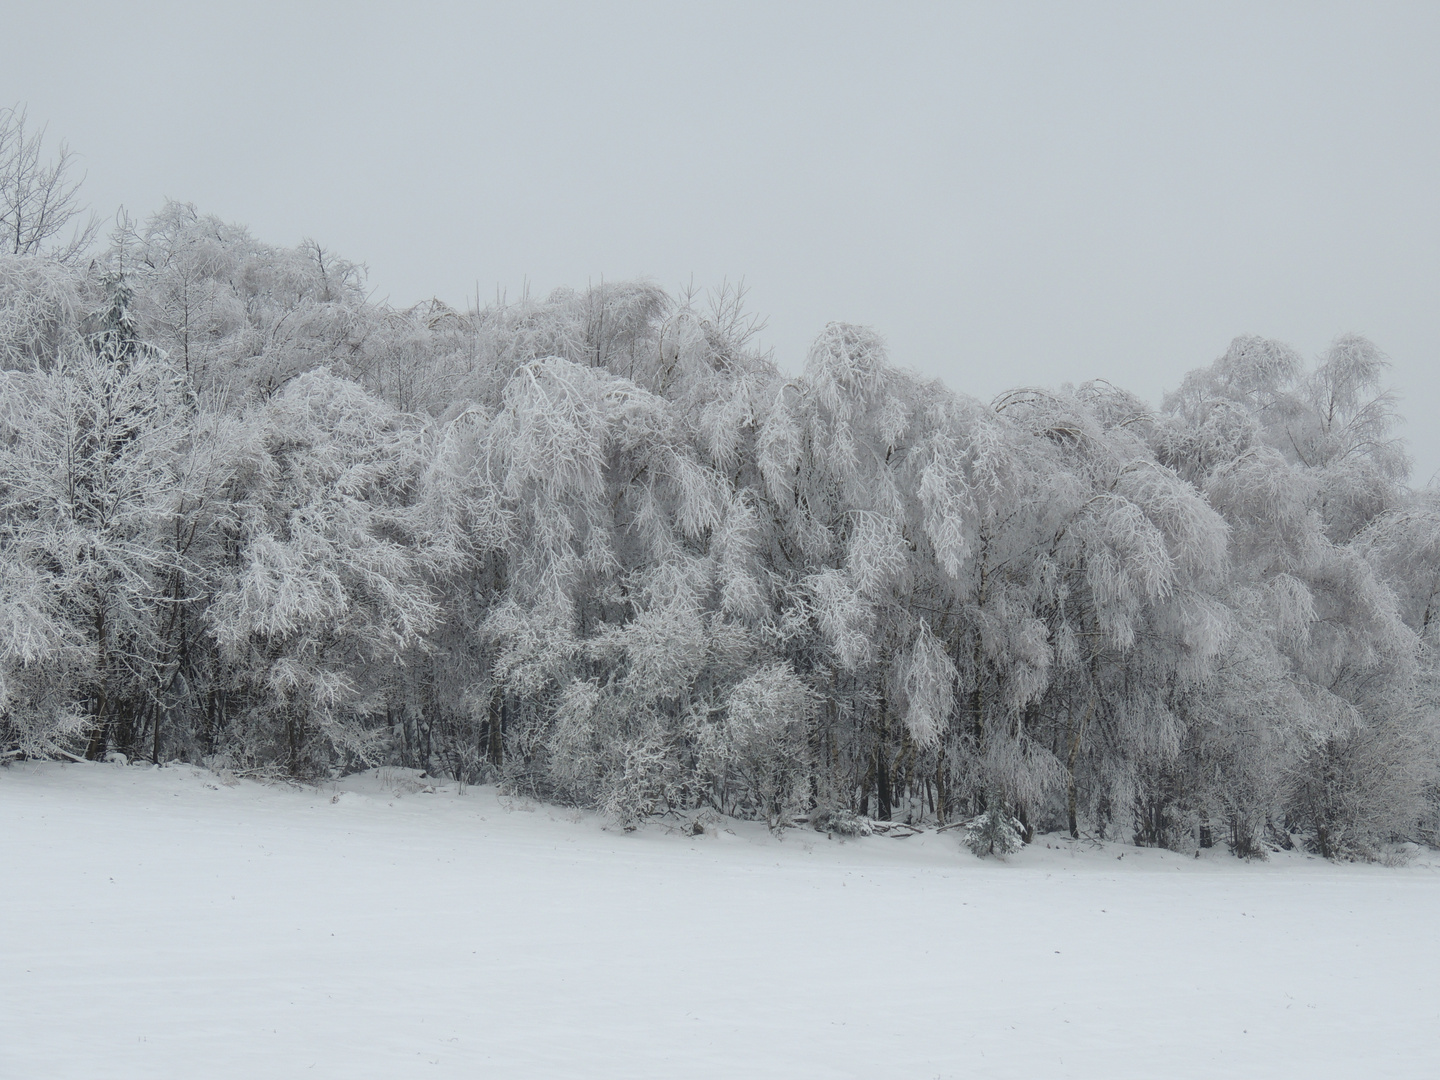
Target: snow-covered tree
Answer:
pixel 88 453
pixel 1303 466
pixel 39 198
pixel 324 582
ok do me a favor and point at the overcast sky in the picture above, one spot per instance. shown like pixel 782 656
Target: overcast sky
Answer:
pixel 1010 193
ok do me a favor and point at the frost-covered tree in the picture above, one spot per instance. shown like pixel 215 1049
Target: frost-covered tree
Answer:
pixel 1301 465
pixel 41 304
pixel 240 317
pixel 39 198
pixel 323 585
pixel 88 452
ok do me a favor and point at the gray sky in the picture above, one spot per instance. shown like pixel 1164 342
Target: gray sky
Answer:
pixel 1010 193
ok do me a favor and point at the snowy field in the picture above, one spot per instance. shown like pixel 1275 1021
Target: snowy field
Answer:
pixel 164 923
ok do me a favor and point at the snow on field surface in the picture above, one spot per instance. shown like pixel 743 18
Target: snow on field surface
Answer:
pixel 164 923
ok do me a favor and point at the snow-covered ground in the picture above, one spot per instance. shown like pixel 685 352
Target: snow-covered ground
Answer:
pixel 164 923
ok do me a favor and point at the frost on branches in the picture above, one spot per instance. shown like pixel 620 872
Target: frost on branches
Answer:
pixel 600 548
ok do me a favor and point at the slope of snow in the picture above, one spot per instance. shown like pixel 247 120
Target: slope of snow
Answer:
pixel 165 923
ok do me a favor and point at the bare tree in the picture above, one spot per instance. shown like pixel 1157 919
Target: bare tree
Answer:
pixel 38 197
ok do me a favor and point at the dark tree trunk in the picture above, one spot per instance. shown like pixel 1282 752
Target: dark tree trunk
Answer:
pixel 1070 794
pixel 883 792
pixel 496 723
pixel 942 792
pixel 1027 831
pixel 884 787
pixel 100 732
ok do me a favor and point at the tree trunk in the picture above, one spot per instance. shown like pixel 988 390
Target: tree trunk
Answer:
pixel 1070 793
pixel 1027 831
pixel 495 723
pixel 942 793
pixel 100 732
pixel 884 792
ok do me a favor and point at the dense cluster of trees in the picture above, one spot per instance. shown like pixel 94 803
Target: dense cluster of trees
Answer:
pixel 600 548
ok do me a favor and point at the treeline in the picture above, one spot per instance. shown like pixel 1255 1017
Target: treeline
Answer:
pixel 601 549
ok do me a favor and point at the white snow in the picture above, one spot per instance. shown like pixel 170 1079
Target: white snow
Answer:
pixel 164 923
